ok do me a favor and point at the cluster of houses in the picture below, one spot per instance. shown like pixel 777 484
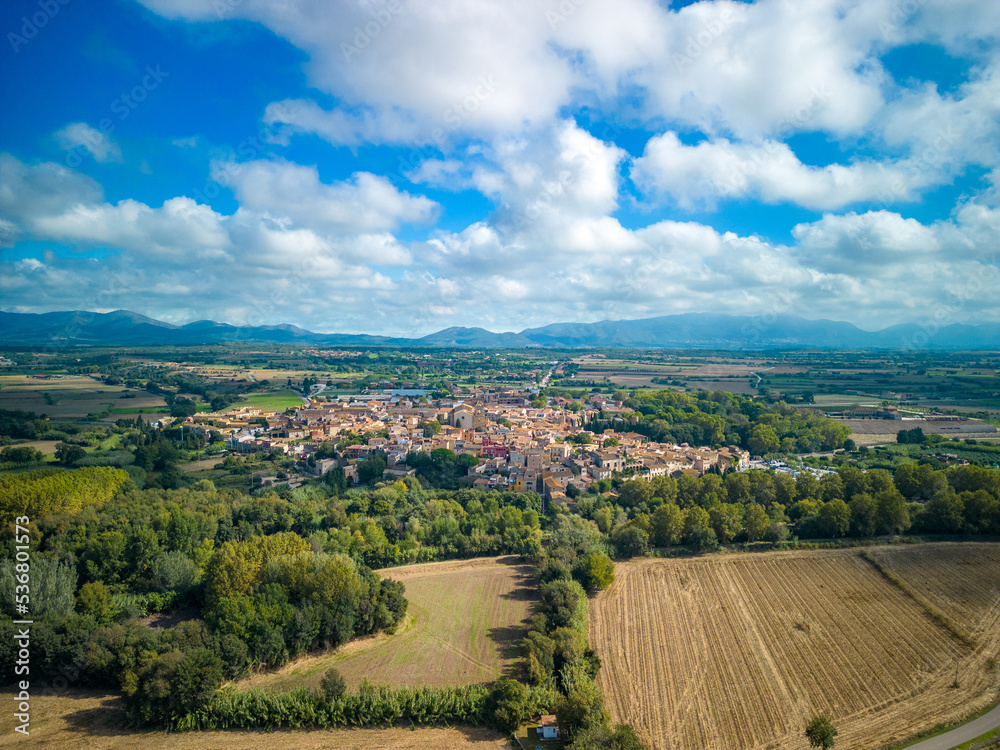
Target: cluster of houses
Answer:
pixel 519 447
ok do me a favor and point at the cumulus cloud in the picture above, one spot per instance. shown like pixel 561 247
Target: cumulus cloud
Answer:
pixel 79 135
pixel 492 66
pixel 507 98
pixel 699 175
pixel 282 189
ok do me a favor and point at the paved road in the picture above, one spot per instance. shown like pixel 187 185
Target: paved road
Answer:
pixel 545 380
pixel 962 734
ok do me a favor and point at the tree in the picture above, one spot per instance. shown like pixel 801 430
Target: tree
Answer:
pixel 944 514
pixel 21 455
pixel 756 521
pixel 698 530
pixel 582 708
pixel 67 453
pixel 511 704
pixel 52 584
pixel 821 733
pixel 197 678
pixel 727 521
pixel 635 491
pixel 622 737
pixel 595 571
pixel 371 468
pixel 333 685
pixel 863 515
pixel 763 439
pixel 94 599
pixel 891 515
pixel 631 541
pixel 183 407
pixel 667 524
pixel 431 428
pixel 834 518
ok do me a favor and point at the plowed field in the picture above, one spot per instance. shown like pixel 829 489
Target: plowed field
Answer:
pixel 740 651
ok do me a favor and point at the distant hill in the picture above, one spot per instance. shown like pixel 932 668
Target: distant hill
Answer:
pixel 687 331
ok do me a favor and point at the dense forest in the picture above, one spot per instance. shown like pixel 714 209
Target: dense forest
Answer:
pixel 717 418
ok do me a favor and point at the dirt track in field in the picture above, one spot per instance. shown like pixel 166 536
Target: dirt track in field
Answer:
pixel 740 651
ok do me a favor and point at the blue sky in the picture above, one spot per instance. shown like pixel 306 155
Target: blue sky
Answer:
pixel 394 166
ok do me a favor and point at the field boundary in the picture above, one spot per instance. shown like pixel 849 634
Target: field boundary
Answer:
pixel 941 729
pixel 933 612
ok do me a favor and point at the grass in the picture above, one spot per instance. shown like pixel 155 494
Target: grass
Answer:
pixel 462 627
pixel 979 741
pixel 276 400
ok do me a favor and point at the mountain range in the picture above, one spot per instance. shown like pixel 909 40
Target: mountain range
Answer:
pixel 686 331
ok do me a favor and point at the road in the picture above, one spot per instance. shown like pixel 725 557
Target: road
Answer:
pixel 961 734
pixel 306 400
pixel 545 380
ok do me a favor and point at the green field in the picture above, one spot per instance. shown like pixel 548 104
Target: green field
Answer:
pixel 462 627
pixel 278 400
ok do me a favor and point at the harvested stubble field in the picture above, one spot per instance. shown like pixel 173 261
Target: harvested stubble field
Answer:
pixel 71 396
pixel 94 720
pixel 462 627
pixel 740 651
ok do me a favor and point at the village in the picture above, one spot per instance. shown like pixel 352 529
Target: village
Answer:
pixel 516 447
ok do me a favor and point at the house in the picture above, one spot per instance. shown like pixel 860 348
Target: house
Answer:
pixel 549 729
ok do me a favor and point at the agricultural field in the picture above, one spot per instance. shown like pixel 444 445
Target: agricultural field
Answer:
pixel 960 579
pixel 70 397
pixel 462 627
pixel 46 447
pixel 88 719
pixel 740 651
pixel 278 400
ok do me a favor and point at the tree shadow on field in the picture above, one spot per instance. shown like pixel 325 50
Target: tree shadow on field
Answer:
pixel 525 586
pixel 105 720
pixel 507 640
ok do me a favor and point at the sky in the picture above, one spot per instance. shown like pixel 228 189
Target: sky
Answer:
pixel 401 166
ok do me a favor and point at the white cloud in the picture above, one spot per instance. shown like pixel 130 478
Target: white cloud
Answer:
pixel 284 190
pixel 699 175
pixel 486 93
pixel 946 132
pixel 79 135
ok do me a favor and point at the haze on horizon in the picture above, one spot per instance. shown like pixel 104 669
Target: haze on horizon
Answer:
pixel 398 167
